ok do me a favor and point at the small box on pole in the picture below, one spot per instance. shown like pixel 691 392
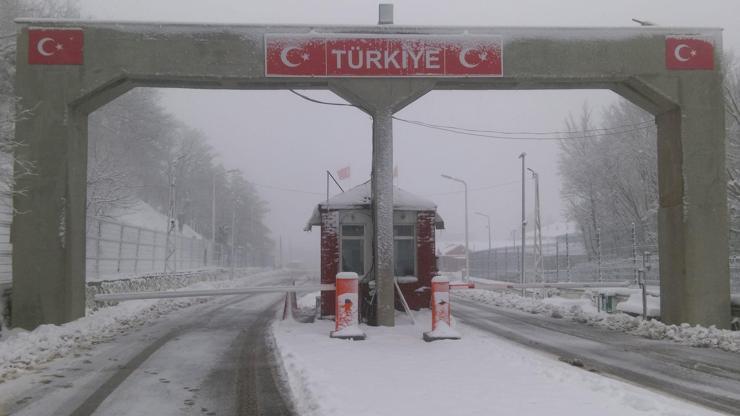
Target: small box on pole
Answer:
pixel 385 14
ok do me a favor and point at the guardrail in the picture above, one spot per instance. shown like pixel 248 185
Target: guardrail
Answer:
pixel 209 292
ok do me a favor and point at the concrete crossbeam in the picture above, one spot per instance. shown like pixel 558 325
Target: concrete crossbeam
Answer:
pixel 49 226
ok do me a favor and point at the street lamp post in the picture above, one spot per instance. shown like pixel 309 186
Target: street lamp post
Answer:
pixel 210 256
pixel 467 252
pixel 537 231
pixel 488 257
pixel 232 262
pixel 233 232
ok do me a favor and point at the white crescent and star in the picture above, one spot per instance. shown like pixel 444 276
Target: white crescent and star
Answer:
pixel 677 52
pixel 284 57
pixel 463 61
pixel 41 50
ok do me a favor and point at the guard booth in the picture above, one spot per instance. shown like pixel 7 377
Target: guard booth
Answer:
pixel 346 223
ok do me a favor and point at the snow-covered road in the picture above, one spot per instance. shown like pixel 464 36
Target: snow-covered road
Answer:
pixel 208 359
pixel 707 376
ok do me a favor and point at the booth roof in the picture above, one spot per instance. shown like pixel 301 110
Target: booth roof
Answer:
pixel 359 198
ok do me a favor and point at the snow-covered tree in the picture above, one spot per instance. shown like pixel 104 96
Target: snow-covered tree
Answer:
pixel 732 105
pixel 609 175
pixel 10 10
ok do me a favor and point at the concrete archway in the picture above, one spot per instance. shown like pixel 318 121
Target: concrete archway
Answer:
pixel 645 65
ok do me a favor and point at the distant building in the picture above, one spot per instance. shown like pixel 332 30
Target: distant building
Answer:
pixel 452 258
pixel 347 244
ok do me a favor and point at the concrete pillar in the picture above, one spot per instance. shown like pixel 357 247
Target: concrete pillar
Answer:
pixel 380 98
pixel 48 231
pixel 692 216
pixel 382 190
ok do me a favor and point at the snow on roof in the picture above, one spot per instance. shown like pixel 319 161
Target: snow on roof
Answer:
pixel 141 214
pixel 359 197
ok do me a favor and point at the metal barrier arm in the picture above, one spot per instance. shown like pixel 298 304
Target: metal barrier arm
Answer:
pixel 564 285
pixel 209 292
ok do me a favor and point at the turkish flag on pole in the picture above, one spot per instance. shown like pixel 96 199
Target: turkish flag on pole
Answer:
pixel 688 53
pixel 55 46
pixel 343 173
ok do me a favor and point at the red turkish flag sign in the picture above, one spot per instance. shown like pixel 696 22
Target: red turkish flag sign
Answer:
pixel 473 58
pixel 688 53
pixel 378 55
pixel 290 56
pixel 343 173
pixel 55 46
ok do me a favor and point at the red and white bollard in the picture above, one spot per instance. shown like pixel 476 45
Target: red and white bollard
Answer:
pixel 441 328
pixel 345 316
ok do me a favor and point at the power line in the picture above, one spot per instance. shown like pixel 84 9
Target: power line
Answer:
pixel 286 189
pixel 313 100
pixel 641 124
pixel 493 136
pixel 497 185
pixel 510 135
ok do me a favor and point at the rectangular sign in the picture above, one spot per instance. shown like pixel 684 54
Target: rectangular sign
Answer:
pixel 688 53
pixel 288 55
pixel 55 46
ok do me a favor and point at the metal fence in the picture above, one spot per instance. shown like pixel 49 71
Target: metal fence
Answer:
pixel 6 264
pixel 565 259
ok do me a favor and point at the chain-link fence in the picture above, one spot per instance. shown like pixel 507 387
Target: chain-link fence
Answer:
pixel 6 217
pixel 565 259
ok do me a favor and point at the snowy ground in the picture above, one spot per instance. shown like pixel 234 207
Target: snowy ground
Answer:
pixel 394 372
pixel 581 310
pixel 23 351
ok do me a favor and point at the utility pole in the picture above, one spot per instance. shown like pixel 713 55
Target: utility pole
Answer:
pixel 467 251
pixel 232 255
pixel 598 248
pixel 517 263
pixel 537 237
pixel 557 259
pixel 170 247
pixel 634 253
pixel 488 257
pixel 232 261
pixel 213 219
pixel 524 220
pixel 567 258
pixel 281 253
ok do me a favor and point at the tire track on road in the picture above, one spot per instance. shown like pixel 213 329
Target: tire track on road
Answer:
pixel 599 352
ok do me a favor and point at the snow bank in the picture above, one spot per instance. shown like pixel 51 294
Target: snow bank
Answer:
pixel 22 351
pixel 633 305
pixel 696 336
pixel 394 372
pixel 308 300
pixel 158 282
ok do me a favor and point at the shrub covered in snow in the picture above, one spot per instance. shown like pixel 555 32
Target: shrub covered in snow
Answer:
pixel 696 336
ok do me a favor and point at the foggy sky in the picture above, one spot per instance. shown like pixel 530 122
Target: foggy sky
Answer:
pixel 281 141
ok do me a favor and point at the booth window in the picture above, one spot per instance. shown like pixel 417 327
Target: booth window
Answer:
pixel 353 249
pixel 404 250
